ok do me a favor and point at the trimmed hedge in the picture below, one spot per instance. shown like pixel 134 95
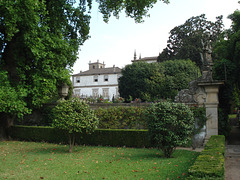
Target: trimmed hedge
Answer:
pixel 121 117
pixel 104 137
pixel 210 163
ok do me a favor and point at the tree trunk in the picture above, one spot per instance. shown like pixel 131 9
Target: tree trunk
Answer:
pixel 71 142
pixel 5 123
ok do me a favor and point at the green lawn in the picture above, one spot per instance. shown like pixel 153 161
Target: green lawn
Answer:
pixel 29 160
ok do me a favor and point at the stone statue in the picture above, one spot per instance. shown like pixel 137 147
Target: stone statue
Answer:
pixel 206 58
pixel 195 94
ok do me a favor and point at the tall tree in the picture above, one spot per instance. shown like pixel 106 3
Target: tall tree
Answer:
pixel 227 51
pixel 227 67
pixel 185 40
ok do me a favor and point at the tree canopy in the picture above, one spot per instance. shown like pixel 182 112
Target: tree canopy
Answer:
pixel 185 40
pixel 154 81
pixel 74 116
pixel 227 51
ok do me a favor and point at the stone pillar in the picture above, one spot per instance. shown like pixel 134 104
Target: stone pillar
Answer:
pixel 211 104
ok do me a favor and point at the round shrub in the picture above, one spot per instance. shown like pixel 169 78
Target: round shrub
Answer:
pixel 74 116
pixel 170 125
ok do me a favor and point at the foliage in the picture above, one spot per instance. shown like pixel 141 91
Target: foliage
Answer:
pixel 151 82
pixel 210 163
pixel 74 116
pixel 185 40
pixel 104 137
pixel 236 96
pixel 227 68
pixel 199 114
pixel 118 100
pixel 40 40
pixel 133 8
pixel 224 127
pixel 12 101
pixel 136 78
pixel 121 118
pixel 50 161
pixel 181 71
pixel 170 125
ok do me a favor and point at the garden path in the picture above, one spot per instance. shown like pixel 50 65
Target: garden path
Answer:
pixel 232 154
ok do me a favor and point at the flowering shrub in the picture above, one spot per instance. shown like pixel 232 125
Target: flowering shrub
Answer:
pixel 118 100
pixel 100 99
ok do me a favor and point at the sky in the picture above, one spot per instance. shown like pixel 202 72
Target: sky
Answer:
pixel 114 42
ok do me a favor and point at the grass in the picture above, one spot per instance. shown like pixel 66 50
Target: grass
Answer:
pixel 30 160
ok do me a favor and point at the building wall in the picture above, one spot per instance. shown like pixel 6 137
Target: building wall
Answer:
pixel 88 87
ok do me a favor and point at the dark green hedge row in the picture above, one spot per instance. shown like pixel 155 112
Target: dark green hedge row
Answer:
pixel 104 137
pixel 210 163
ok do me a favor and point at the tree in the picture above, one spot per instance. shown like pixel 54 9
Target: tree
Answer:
pixel 40 39
pixel 155 81
pixel 227 51
pixel 137 80
pixel 182 72
pixel 227 67
pixel 169 125
pixel 185 40
pixel 74 116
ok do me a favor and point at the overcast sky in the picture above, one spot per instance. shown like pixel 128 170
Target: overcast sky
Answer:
pixel 114 43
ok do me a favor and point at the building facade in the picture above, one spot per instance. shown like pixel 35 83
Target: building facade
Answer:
pixel 96 82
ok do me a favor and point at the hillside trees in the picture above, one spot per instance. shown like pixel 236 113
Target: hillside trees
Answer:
pixel 154 81
pixel 185 40
pixel 39 43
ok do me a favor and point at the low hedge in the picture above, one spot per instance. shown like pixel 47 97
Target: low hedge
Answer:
pixel 210 163
pixel 105 137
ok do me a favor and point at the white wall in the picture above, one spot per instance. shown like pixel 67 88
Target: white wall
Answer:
pixel 87 85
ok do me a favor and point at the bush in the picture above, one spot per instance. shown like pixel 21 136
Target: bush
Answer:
pixel 121 118
pixel 74 116
pixel 210 163
pixel 104 137
pixel 170 125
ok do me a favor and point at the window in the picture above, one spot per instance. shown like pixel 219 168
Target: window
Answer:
pixel 95 79
pixel 93 67
pixel 105 92
pixel 77 92
pixel 105 77
pixel 95 93
pixel 78 79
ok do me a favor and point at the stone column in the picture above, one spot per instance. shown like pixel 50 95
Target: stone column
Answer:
pixel 211 104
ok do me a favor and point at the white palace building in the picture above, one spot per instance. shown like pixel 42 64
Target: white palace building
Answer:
pixel 97 81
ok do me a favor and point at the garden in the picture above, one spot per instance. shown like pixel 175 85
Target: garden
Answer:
pixel 31 160
pixel 130 153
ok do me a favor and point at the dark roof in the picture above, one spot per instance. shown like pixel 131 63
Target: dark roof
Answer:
pixel 146 59
pixel 111 70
